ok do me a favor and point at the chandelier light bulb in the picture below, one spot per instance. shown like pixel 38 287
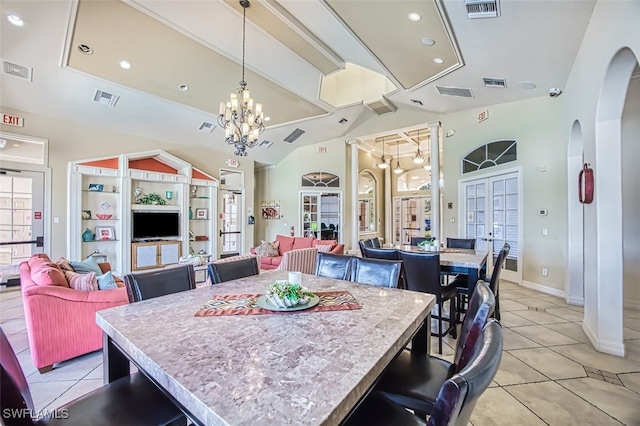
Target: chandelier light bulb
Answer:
pixel 397 170
pixel 419 158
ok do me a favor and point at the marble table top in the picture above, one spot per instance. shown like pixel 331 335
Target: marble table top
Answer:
pixel 286 368
pixel 461 258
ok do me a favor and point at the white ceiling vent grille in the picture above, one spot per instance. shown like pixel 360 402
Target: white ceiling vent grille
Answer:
pixel 482 8
pixel 294 135
pixel 105 98
pixel 500 83
pixel 16 70
pixel 207 127
pixel 454 91
pixel 265 144
pixel 381 106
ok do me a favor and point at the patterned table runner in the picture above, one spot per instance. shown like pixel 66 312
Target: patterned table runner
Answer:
pixel 245 304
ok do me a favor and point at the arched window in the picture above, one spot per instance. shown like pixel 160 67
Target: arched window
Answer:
pixel 321 179
pixel 489 155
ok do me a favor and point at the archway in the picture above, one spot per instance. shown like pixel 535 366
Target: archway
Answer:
pixel 574 291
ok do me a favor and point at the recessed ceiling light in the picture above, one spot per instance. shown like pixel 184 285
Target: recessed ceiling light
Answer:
pixel 527 85
pixel 267 118
pixel 15 20
pixel 438 61
pixel 428 41
pixel 183 87
pixel 125 65
pixel 415 17
pixel 16 145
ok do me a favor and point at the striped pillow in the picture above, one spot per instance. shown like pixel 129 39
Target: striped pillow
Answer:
pixel 324 248
pixel 82 282
pixel 63 263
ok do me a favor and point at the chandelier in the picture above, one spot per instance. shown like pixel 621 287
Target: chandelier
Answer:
pixel 383 162
pixel 419 158
pixel 398 169
pixel 241 118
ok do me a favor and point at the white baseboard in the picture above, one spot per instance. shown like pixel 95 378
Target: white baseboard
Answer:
pixel 604 346
pixel 577 301
pixel 543 289
pixel 632 304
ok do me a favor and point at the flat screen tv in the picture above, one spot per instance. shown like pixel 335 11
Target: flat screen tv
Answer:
pixel 155 225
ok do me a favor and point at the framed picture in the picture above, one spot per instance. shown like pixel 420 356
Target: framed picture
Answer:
pixel 105 233
pixel 202 214
pixel 86 214
pixel 98 187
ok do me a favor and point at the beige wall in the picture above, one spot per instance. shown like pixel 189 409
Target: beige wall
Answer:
pixel 366 161
pixel 71 141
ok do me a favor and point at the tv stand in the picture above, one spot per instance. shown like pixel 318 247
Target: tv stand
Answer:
pixel 154 254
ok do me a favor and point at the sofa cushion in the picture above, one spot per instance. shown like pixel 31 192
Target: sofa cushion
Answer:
pixel 82 282
pixel 324 248
pixel 45 272
pixel 303 242
pixel 286 243
pixel 64 264
pixel 87 265
pixel 106 281
pixel 330 243
pixel 267 249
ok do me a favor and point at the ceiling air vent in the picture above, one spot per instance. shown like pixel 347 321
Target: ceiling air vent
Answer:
pixel 265 144
pixel 454 91
pixel 381 106
pixel 500 83
pixel 417 102
pixel 207 127
pixel 105 98
pixel 294 135
pixel 482 8
pixel 16 70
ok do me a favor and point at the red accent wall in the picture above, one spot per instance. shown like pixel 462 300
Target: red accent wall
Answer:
pixel 152 165
pixel 199 175
pixel 109 163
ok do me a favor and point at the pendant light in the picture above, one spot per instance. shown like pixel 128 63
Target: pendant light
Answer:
pixel 383 163
pixel 397 169
pixel 419 158
pixel 427 165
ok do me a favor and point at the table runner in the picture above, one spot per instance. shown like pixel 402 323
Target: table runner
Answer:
pixel 245 304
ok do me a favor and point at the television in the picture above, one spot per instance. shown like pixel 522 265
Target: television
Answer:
pixel 155 225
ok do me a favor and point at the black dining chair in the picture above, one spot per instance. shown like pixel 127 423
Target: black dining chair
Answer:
pixel 232 270
pixel 422 273
pixel 456 398
pixel 332 265
pixel 414 241
pixel 384 273
pixel 363 244
pixel 414 381
pixel 380 253
pixel 376 242
pixel 150 284
pixel 461 282
pixel 461 243
pixel 131 400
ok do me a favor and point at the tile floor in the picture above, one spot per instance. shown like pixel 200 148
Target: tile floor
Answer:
pixel 549 373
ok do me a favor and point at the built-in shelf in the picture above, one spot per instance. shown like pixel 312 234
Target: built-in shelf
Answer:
pixel 155 207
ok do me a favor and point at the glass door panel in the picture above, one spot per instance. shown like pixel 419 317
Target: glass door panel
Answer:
pixel 231 223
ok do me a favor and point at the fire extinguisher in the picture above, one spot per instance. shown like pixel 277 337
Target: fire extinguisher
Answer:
pixel 587 173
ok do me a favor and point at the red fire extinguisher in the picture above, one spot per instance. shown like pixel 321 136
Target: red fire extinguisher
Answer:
pixel 587 173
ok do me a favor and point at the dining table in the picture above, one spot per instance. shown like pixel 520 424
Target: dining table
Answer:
pixel 226 360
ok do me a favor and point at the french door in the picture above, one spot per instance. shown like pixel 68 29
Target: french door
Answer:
pixel 231 236
pixel 21 217
pixel 412 218
pixel 491 213
pixel 321 215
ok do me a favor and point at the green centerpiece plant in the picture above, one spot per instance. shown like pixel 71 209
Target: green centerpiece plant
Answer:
pixel 152 198
pixel 286 295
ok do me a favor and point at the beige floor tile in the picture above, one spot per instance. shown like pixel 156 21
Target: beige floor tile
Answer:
pixel 518 294
pixel 617 401
pixel 535 302
pixel 540 317
pixel 632 323
pixel 557 406
pixel 587 356
pixel 507 305
pixel 19 341
pixel 507 319
pixel 631 313
pixel 14 326
pixel 44 393
pixel 496 407
pixel 96 373
pixel 571 329
pixel 631 333
pixel 549 363
pixel 512 371
pixel 9 314
pixel 566 313
pixel 508 285
pixel 631 381
pixel 79 389
pixel 74 369
pixel 513 340
pixel 576 308
pixel 543 335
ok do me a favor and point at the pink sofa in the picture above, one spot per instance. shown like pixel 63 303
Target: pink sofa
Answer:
pixel 61 321
pixel 293 243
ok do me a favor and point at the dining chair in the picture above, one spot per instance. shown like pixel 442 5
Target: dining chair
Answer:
pixel 376 242
pixel 414 381
pixel 380 253
pixel 461 282
pixel 417 240
pixel 149 284
pixel 461 243
pixel 456 398
pixel 364 243
pixel 131 400
pixel 384 273
pixel 332 265
pixel 226 271
pixel 422 273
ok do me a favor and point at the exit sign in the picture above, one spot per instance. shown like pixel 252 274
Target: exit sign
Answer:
pixel 483 116
pixel 12 120
pixel 233 163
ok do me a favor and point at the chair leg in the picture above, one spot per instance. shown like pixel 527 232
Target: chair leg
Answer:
pixel 440 328
pixel 45 369
pixel 453 318
pixel 496 312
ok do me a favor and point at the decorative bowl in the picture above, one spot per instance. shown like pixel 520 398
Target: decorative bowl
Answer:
pixel 103 216
pixel 283 294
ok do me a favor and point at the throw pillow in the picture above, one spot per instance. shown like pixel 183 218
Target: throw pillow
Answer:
pixel 82 282
pixel 267 249
pixel 48 273
pixel 86 266
pixel 106 281
pixel 64 264
pixel 324 248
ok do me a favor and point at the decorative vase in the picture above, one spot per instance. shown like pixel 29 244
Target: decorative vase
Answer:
pixel 87 235
pixel 190 213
